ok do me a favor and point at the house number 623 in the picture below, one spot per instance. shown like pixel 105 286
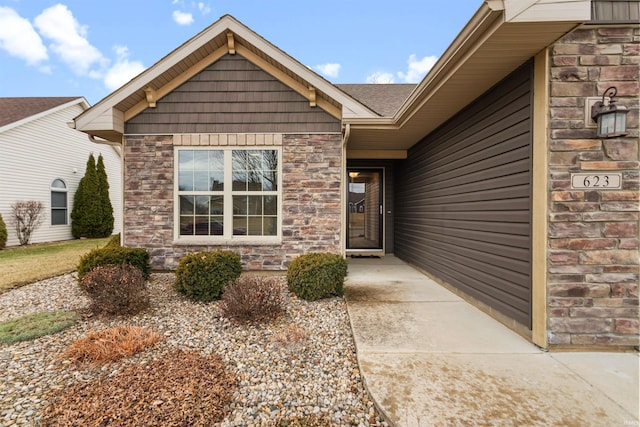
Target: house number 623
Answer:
pixel 608 181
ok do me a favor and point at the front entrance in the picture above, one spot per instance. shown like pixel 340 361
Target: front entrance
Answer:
pixel 364 212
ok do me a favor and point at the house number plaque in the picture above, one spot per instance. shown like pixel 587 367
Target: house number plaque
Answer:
pixel 596 180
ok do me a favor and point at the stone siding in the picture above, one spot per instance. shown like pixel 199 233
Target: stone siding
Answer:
pixel 310 206
pixel 593 254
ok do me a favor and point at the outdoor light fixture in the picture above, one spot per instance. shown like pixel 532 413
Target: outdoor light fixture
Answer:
pixel 611 119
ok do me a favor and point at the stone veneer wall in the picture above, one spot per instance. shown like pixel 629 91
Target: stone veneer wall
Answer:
pixel 593 234
pixel 310 207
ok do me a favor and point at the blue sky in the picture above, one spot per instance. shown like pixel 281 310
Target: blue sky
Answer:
pixel 90 48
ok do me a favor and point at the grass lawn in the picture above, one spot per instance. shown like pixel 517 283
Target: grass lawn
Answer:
pixel 27 264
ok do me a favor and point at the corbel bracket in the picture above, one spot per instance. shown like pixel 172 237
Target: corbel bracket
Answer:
pixel 231 43
pixel 151 96
pixel 312 96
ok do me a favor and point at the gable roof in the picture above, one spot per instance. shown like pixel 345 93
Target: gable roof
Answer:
pixel 226 36
pixel 14 110
pixel 384 99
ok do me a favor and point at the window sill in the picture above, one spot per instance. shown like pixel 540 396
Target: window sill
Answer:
pixel 211 241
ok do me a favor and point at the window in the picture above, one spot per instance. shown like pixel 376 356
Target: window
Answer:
pixel 58 202
pixel 228 193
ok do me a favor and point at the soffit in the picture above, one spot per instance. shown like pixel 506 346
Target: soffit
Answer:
pixel 462 74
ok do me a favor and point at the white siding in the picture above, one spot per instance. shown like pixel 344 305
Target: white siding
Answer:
pixel 33 154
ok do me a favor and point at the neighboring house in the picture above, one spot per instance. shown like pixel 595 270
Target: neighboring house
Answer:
pixel 43 159
pixel 229 143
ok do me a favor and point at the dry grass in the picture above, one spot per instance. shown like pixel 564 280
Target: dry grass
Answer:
pixel 110 344
pixel 28 264
pixel 179 388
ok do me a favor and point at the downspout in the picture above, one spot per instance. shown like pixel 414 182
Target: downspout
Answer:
pixel 343 191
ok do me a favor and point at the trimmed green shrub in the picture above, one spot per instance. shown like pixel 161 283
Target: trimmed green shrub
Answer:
pixel 3 234
pixel 253 299
pixel 203 275
pixel 114 241
pixel 116 289
pixel 136 257
pixel 317 275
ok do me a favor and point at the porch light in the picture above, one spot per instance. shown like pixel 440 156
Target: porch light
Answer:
pixel 611 119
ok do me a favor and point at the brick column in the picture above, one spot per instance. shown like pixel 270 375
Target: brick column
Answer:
pixel 593 234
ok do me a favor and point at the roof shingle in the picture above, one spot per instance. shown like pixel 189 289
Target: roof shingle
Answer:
pixel 384 99
pixel 14 109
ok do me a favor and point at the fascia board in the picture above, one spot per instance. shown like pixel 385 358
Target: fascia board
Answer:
pixel 226 23
pixel 484 21
pixel 350 106
pixel 81 100
pixel 141 80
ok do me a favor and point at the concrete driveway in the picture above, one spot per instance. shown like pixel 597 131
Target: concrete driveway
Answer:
pixel 429 358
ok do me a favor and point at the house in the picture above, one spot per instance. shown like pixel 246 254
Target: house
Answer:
pixel 473 175
pixel 43 159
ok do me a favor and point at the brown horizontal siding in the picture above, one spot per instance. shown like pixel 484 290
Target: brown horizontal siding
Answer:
pixel 463 200
pixel 603 11
pixel 232 95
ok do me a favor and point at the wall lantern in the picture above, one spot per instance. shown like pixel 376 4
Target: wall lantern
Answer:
pixel 611 119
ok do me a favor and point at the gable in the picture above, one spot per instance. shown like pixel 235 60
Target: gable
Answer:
pixel 232 95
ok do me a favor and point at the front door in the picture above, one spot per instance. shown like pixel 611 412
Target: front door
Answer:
pixel 364 211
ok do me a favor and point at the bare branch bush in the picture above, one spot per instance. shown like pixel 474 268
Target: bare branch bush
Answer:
pixel 26 218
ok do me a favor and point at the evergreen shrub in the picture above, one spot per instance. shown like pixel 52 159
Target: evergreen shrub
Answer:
pixel 114 241
pixel 3 234
pixel 106 209
pixel 107 255
pixel 204 275
pixel 317 275
pixel 116 289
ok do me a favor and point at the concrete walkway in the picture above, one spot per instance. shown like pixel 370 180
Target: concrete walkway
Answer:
pixel 428 358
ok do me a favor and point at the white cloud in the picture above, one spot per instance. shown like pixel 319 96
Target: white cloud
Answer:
pixel 380 77
pixel 18 38
pixel 69 40
pixel 417 68
pixel 203 8
pixel 329 70
pixel 123 70
pixel 182 18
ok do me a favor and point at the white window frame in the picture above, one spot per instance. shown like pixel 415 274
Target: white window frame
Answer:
pixel 64 190
pixel 227 238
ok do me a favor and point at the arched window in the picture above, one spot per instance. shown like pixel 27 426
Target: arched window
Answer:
pixel 58 202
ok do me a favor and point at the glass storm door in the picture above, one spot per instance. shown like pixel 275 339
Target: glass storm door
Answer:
pixel 364 212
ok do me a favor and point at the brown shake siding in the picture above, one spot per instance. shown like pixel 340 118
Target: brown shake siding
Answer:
pixel 310 209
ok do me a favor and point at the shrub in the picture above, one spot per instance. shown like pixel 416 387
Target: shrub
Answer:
pixel 203 275
pixel 106 208
pixel 252 298
pixel 136 257
pixel 114 241
pixel 86 214
pixel 116 289
pixel 110 344
pixel 36 325
pixel 3 234
pixel 26 218
pixel 317 275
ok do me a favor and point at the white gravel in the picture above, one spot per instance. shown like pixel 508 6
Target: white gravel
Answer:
pixel 304 363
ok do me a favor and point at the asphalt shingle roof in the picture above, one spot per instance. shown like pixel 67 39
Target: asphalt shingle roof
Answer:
pixel 14 109
pixel 384 99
